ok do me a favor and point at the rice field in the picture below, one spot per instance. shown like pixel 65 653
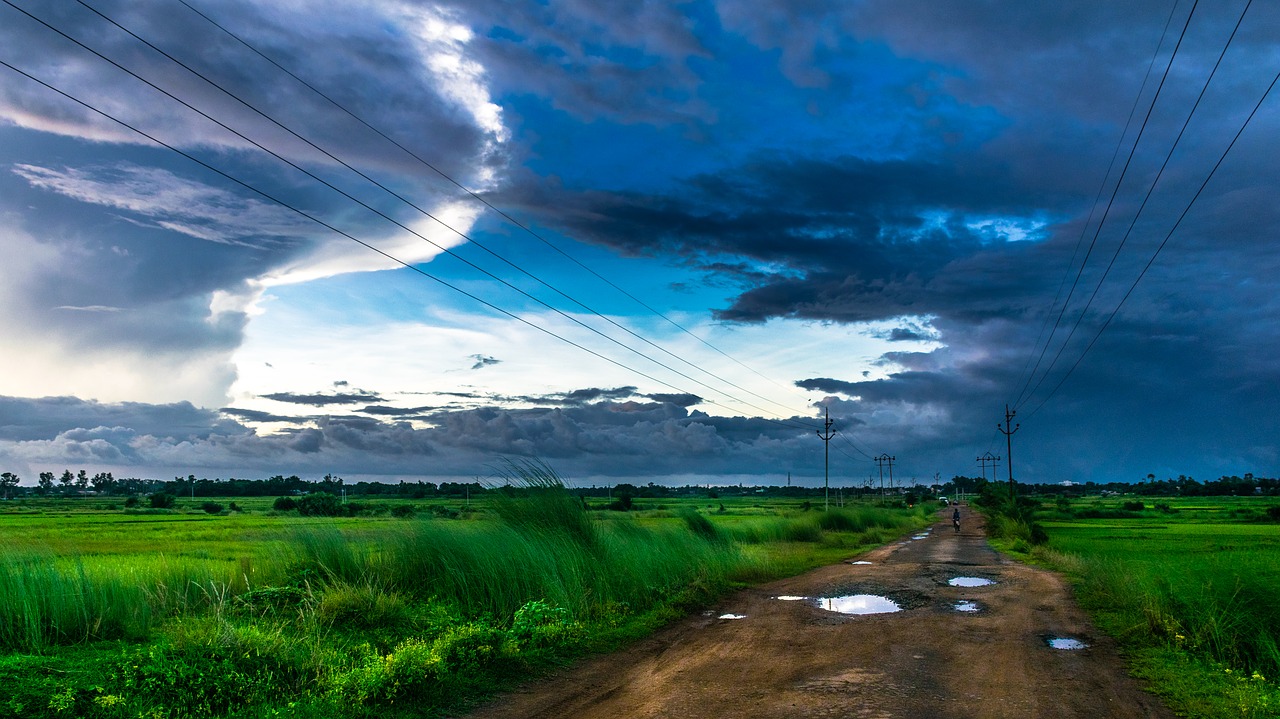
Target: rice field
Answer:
pixel 180 613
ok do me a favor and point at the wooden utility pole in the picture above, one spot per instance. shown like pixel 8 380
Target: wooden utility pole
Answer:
pixel 1008 437
pixel 826 433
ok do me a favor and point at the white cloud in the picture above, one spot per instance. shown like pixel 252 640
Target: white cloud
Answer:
pixel 172 202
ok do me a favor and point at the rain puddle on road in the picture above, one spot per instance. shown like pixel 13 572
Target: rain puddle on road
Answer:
pixel 1066 643
pixel 920 536
pixel 790 598
pixel 860 561
pixel 732 616
pixel 970 581
pixel 966 607
pixel 859 604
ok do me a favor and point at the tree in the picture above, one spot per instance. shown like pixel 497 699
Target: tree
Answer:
pixel 66 480
pixel 46 483
pixel 8 480
pixel 103 482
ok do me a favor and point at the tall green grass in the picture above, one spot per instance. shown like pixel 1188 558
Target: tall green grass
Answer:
pixel 542 548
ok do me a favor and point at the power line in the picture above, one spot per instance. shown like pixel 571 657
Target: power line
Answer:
pixel 473 194
pixel 1102 186
pixel 411 204
pixel 1111 201
pixel 360 202
pixel 1164 242
pixel 1151 190
pixel 342 233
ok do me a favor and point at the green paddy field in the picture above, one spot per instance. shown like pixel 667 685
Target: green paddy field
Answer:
pixel 113 613
pixel 1189 586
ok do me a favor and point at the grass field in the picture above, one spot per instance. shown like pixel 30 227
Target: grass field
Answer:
pixel 1189 586
pixel 260 613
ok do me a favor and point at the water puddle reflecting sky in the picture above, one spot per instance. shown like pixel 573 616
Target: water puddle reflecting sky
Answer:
pixel 970 581
pixel 1066 643
pixel 859 604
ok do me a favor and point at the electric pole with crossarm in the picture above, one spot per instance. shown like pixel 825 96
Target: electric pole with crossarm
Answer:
pixel 1008 437
pixel 826 433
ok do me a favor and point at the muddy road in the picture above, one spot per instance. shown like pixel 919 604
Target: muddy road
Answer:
pixel 791 658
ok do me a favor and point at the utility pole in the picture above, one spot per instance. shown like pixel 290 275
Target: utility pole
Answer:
pixel 880 461
pixel 1008 438
pixel 993 459
pixel 826 433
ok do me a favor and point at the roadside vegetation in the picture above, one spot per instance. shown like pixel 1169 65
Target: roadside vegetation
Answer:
pixel 164 612
pixel 1189 587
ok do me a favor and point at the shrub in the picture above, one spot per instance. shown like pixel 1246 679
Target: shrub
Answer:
pixel 234 508
pixel 469 648
pixel 319 504
pixel 131 502
pixel 1273 513
pixel 211 507
pixel 1133 506
pixel 403 511
pixel 540 625
pixel 163 500
pixel 284 504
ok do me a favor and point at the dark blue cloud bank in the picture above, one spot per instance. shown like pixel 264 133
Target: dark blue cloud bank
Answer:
pixel 933 167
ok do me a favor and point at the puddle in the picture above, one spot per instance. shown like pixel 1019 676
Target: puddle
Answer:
pixel 1065 643
pixel 920 536
pixel 970 581
pixel 966 607
pixel 859 604
pixel 732 616
pixel 860 561
pixel 790 598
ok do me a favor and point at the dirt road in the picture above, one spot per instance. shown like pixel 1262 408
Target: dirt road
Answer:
pixel 792 659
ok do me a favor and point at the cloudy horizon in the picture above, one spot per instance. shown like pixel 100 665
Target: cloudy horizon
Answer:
pixel 734 217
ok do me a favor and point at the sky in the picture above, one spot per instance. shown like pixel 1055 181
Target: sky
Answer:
pixel 640 241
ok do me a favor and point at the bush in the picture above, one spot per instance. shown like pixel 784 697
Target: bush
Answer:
pixel 163 500
pixel 403 511
pixel 319 504
pixel 211 507
pixel 539 625
pixel 234 508
pixel 131 502
pixel 284 504
pixel 1133 506
pixel 1273 513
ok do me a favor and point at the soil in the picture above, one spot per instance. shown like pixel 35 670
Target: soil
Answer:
pixel 793 659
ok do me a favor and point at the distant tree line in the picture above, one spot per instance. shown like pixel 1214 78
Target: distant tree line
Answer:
pixel 1183 486
pixel 81 483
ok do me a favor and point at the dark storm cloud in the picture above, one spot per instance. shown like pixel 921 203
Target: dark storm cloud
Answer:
pixel 634 69
pixel 253 415
pixel 43 418
pixel 906 334
pixel 407 412
pixel 677 399
pixel 321 400
pixel 826 384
